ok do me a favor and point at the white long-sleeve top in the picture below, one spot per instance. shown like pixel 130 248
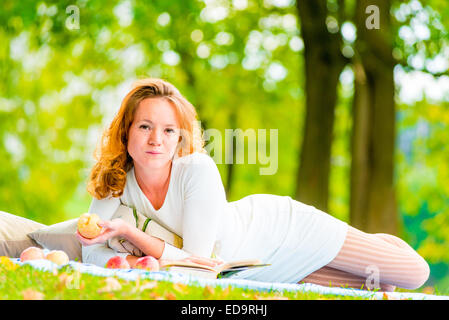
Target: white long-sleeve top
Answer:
pixel 295 238
pixel 192 208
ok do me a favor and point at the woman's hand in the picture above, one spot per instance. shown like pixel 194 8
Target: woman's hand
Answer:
pixel 111 228
pixel 211 262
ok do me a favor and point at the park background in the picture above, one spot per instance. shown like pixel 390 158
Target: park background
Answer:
pixel 360 101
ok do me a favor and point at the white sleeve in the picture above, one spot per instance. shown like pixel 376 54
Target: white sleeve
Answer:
pixel 172 253
pixel 99 254
pixel 204 201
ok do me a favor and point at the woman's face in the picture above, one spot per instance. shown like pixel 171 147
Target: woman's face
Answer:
pixel 154 133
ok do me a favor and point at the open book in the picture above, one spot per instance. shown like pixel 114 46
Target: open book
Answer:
pixel 224 270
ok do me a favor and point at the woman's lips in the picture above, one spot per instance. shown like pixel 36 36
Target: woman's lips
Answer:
pixel 151 152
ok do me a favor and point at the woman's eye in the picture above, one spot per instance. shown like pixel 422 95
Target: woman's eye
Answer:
pixel 144 126
pixel 170 130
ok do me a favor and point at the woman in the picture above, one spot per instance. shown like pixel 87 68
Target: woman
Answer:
pixel 152 158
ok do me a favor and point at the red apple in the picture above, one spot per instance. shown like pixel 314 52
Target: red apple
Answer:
pixel 32 253
pixel 117 262
pixel 147 263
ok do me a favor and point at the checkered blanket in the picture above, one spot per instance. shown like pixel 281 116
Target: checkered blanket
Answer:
pixel 133 274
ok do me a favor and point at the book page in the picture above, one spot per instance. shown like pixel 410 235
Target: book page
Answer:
pixel 217 269
pixel 180 263
pixel 238 263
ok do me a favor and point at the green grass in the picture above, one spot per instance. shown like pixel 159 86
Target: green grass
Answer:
pixel 25 282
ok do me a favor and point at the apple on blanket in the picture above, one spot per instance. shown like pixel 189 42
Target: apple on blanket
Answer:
pixel 34 253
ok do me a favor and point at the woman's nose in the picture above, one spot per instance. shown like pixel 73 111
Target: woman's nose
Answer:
pixel 155 137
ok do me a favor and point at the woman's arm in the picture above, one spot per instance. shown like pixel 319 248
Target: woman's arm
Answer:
pixel 100 253
pixel 149 245
pixel 204 203
pixel 153 246
pixel 96 249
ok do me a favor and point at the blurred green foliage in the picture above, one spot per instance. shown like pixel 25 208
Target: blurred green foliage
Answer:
pixel 239 62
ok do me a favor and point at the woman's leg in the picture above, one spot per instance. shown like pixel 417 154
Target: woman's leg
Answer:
pixel 381 258
pixel 331 277
pixel 374 261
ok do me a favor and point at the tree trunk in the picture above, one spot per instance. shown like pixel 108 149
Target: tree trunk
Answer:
pixel 323 65
pixel 231 147
pixel 373 204
pixel 187 66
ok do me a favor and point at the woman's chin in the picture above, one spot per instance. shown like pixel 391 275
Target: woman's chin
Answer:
pixel 156 162
pixel 153 161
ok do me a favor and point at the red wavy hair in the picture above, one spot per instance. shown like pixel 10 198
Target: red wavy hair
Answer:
pixel 108 175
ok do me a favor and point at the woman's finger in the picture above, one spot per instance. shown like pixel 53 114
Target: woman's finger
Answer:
pixel 212 260
pixel 104 236
pixel 201 260
pixel 104 224
pixel 219 261
pixel 88 242
pixel 82 239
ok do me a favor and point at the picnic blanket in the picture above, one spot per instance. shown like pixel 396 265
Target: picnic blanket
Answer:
pixel 133 274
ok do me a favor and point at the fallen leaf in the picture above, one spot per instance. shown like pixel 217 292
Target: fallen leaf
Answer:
pixel 388 297
pixel 170 296
pixel 181 288
pixel 208 291
pixel 148 285
pixel 139 287
pixel 30 294
pixel 155 296
pixel 273 297
pixel 7 263
pixel 428 290
pixel 226 292
pixel 64 280
pixel 246 295
pixel 112 284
